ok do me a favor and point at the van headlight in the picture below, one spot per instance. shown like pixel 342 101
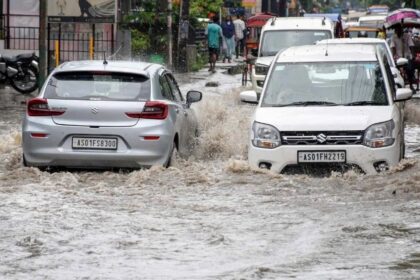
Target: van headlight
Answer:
pixel 265 136
pixel 379 135
pixel 261 69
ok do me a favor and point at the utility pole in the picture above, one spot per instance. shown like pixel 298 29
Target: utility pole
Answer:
pixel 125 7
pixel 183 35
pixel 43 14
pixel 170 46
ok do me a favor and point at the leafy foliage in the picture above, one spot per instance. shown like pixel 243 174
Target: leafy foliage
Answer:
pixel 201 8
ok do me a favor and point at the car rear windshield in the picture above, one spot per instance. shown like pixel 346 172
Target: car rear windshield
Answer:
pixel 332 83
pixel 355 34
pixel 274 41
pixel 99 86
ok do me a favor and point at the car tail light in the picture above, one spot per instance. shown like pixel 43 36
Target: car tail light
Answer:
pixel 39 107
pixel 151 138
pixel 152 110
pixel 39 135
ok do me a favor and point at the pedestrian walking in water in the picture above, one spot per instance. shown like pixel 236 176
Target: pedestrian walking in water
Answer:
pixel 239 35
pixel 228 29
pixel 214 33
pixel 402 47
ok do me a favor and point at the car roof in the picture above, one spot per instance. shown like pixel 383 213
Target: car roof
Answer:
pixel 352 41
pixel 142 68
pixel 303 23
pixel 372 17
pixel 362 28
pixel 328 53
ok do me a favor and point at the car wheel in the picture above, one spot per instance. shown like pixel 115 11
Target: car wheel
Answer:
pixel 402 149
pixel 402 154
pixel 173 156
pixel 24 162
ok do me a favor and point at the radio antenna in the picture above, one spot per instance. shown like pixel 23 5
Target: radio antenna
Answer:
pixel 105 61
pixel 326 50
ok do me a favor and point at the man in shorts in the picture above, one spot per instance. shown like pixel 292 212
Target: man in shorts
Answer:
pixel 214 33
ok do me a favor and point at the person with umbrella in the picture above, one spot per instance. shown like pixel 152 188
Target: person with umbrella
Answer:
pixel 402 47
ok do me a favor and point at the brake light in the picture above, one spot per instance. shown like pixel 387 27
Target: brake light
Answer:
pixel 39 135
pixel 151 138
pixel 152 110
pixel 38 107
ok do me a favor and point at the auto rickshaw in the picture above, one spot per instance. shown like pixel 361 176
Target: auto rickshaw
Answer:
pixel 254 25
pixel 364 31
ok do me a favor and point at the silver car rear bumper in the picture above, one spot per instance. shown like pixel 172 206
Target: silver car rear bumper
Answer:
pixel 133 150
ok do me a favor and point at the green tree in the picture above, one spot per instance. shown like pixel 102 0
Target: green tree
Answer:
pixel 201 8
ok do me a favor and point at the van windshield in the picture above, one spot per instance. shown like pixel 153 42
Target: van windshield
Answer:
pixel 276 40
pixel 91 85
pixel 325 83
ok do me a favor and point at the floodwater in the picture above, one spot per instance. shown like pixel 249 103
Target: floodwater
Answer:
pixel 211 217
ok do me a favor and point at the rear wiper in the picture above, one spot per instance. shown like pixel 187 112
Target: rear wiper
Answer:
pixel 307 103
pixel 363 103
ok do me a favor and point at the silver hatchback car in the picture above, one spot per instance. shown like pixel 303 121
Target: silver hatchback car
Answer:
pixel 99 114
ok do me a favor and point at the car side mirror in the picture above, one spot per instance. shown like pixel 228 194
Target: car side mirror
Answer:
pixel 249 96
pixel 394 72
pixel 402 61
pixel 403 94
pixel 194 96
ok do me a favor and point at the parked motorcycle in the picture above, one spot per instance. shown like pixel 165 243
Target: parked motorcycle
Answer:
pixel 20 71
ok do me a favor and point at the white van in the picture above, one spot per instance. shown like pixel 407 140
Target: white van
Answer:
pixel 383 45
pixel 281 33
pixel 376 21
pixel 328 105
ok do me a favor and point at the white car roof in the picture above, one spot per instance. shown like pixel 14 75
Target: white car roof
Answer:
pixel 142 68
pixel 372 18
pixel 303 23
pixel 352 41
pixel 328 53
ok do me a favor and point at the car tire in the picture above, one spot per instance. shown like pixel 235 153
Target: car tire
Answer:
pixel 173 156
pixel 24 162
pixel 402 153
pixel 402 149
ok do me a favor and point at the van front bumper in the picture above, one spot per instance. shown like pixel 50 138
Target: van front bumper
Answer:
pixel 364 157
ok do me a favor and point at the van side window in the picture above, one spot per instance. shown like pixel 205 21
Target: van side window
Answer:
pixel 165 88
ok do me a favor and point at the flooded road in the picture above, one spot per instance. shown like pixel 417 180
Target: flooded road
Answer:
pixel 211 217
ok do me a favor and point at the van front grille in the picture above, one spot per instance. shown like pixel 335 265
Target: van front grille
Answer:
pixel 322 137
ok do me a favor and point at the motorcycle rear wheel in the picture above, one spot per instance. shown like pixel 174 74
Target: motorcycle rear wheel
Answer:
pixel 28 84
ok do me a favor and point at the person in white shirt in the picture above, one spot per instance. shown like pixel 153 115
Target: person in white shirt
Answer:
pixel 239 35
pixel 402 47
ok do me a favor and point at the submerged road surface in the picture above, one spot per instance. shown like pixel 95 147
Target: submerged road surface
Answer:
pixel 211 217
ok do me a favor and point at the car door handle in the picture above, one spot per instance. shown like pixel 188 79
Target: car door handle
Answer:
pixel 186 113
